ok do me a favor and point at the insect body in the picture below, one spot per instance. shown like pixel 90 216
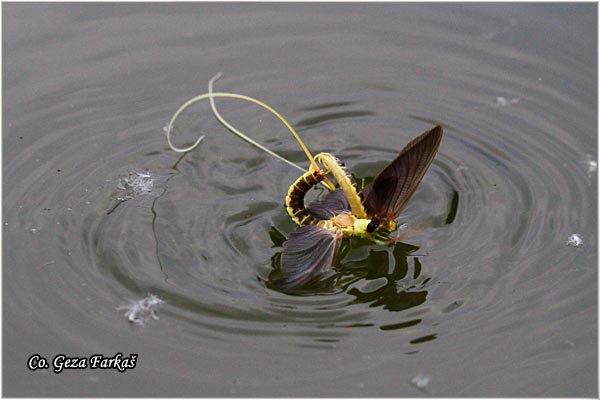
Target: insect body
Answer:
pixel 341 211
pixel 295 199
pixel 371 213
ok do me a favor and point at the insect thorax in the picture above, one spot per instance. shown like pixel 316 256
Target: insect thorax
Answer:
pixel 349 225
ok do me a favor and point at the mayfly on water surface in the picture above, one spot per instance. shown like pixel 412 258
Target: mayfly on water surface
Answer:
pixel 310 251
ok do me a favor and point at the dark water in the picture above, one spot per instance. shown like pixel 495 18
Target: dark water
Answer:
pixel 98 210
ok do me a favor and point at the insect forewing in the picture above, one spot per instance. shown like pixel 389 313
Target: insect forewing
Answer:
pixel 389 192
pixel 307 254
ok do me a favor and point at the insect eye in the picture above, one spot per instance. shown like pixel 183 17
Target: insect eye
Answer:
pixel 372 225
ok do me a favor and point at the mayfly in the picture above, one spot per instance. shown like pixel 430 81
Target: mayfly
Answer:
pixel 311 250
pixel 371 213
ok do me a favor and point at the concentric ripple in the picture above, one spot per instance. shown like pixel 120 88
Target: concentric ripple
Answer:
pixel 98 211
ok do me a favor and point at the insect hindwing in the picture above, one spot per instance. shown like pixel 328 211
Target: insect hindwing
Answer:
pixel 308 253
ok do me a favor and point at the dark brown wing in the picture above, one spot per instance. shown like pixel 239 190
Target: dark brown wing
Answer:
pixel 333 203
pixel 307 254
pixel 389 192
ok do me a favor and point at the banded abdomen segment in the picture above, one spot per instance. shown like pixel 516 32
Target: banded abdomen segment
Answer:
pixel 294 200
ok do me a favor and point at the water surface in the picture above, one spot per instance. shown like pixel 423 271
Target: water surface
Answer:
pixel 486 300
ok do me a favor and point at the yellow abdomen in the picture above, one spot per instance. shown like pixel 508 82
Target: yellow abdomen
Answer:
pixel 345 180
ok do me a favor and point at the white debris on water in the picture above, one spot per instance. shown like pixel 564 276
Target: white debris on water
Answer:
pixel 140 185
pixel 421 381
pixel 138 312
pixel 503 101
pixel 591 164
pixel 574 240
pixel 137 182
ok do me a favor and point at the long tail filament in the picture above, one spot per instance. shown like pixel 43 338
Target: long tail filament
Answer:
pixel 211 95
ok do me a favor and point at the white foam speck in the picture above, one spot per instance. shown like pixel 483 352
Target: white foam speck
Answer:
pixel 137 182
pixel 138 312
pixel 591 164
pixel 420 381
pixel 503 101
pixel 574 240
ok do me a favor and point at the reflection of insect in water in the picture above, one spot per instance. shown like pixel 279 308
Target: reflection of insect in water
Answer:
pixel 312 248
